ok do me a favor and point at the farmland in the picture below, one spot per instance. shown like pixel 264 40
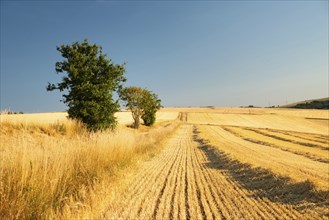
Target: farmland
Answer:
pixel 198 163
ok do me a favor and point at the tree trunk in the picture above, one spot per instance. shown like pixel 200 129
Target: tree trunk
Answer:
pixel 136 120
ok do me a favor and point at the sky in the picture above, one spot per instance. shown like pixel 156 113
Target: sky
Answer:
pixel 191 53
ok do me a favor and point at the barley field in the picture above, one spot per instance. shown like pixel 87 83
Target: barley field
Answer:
pixel 195 163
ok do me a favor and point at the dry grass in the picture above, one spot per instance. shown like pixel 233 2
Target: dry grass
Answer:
pixel 123 117
pixel 48 168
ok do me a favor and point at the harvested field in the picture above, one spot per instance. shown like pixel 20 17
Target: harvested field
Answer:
pixel 279 161
pixel 191 179
pixel 260 120
pixel 310 149
pixel 220 163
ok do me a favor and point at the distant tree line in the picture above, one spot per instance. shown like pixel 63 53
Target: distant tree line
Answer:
pixel 313 105
pixel 91 79
pixel 10 113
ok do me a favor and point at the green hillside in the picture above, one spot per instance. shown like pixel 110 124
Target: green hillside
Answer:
pixel 322 103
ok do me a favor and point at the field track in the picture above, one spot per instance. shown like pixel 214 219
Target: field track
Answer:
pixel 186 181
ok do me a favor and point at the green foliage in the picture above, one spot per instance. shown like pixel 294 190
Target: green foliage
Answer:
pixel 90 82
pixel 142 103
pixel 151 103
pixel 132 96
pixel 313 105
pixel 149 118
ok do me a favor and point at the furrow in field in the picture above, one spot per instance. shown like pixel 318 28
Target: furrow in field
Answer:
pixel 190 180
pixel 254 180
pixel 186 206
pixel 206 200
pixel 267 187
pixel 322 137
pixel 144 180
pixel 218 198
pixel 151 171
pixel 210 194
pixel 175 192
pixel 150 202
pixel 312 151
pixel 202 202
pixel 194 208
pixel 316 139
pixel 177 199
pixel 239 199
pixel 159 202
pixel 257 137
pixel 281 162
pixel 215 186
pixel 178 204
pixel 283 137
pixel 236 198
pixel 163 204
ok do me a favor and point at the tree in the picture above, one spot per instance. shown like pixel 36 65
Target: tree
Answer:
pixel 90 82
pixel 151 104
pixel 132 96
pixel 141 103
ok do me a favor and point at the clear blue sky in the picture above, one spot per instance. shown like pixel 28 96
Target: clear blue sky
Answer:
pixel 191 53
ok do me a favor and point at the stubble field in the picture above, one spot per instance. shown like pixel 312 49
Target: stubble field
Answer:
pixel 196 163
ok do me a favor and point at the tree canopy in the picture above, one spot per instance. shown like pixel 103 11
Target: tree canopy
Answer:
pixel 142 103
pixel 151 104
pixel 90 80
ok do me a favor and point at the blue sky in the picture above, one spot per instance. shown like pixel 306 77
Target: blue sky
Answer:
pixel 191 53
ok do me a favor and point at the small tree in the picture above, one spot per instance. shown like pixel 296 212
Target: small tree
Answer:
pixel 132 96
pixel 141 103
pixel 151 104
pixel 90 82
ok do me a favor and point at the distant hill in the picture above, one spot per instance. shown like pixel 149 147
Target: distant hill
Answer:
pixel 322 103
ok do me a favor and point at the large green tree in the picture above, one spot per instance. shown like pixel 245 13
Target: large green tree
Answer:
pixel 142 103
pixel 90 80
